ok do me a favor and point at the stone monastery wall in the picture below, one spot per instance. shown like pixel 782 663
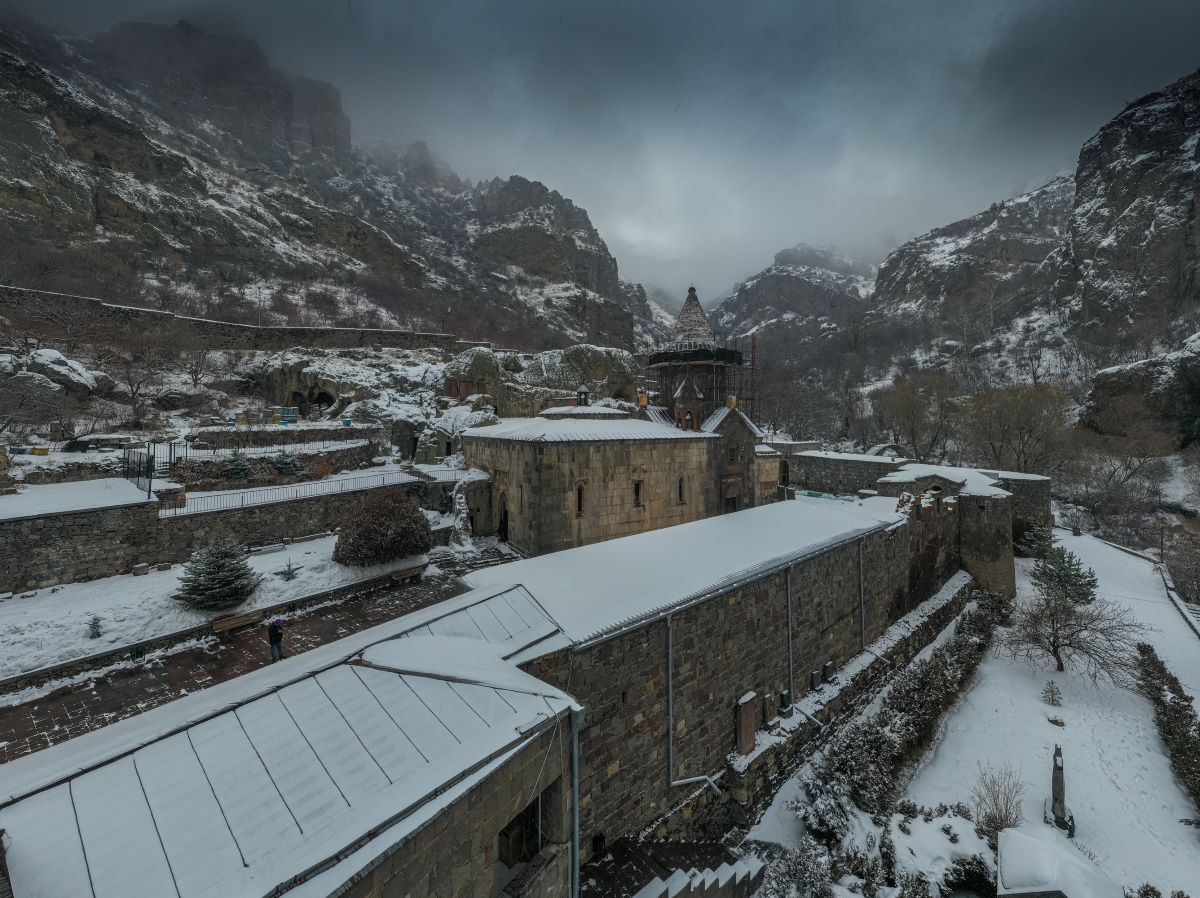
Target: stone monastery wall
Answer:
pixel 840 476
pixel 86 545
pixel 220 334
pixel 720 649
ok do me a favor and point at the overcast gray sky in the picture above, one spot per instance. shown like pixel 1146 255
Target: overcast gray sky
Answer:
pixel 703 137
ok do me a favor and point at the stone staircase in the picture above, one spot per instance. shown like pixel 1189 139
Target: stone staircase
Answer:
pixel 669 869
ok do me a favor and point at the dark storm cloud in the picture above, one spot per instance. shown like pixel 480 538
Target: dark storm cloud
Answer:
pixel 704 136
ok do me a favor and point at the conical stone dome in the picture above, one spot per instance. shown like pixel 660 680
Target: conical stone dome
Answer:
pixel 692 326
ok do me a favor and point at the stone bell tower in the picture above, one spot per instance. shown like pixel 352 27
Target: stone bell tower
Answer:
pixel 695 372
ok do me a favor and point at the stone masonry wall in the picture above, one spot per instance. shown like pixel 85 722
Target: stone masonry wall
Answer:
pixel 840 476
pixel 81 545
pixel 86 545
pixel 985 537
pixel 282 435
pixel 1030 503
pixel 536 483
pixel 455 854
pixel 722 648
pixel 221 334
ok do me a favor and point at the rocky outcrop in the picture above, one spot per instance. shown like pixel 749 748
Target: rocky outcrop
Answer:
pixel 1135 231
pixel 989 267
pixel 810 298
pixel 1167 386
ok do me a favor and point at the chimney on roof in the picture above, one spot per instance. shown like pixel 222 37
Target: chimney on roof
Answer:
pixel 731 401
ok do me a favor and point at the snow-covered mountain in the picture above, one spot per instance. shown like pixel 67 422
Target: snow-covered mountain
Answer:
pixel 809 301
pixel 180 168
pixel 1092 270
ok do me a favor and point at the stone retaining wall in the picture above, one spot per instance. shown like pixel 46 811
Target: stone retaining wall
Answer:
pixel 86 545
pixel 67 471
pixel 209 473
pixel 282 435
pixel 221 334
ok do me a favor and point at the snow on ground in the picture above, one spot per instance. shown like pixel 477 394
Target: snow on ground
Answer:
pixel 52 626
pixel 56 498
pixel 1126 802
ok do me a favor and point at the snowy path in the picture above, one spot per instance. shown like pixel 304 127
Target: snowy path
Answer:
pixel 52 626
pixel 1126 802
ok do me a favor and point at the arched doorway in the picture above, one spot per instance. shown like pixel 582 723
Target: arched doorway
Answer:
pixel 784 480
pixel 502 525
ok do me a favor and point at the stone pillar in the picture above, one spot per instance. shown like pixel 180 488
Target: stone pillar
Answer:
pixel 747 722
pixel 1058 791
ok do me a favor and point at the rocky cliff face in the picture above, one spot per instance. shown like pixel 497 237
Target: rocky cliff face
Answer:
pixel 804 306
pixel 167 165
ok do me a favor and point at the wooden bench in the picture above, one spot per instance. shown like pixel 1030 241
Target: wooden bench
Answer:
pixel 221 624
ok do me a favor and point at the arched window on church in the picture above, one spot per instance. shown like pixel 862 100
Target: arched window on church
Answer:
pixel 687 421
pixel 578 498
pixel 680 490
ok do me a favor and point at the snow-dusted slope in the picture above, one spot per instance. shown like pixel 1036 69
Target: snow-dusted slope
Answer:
pixel 174 166
pixel 808 297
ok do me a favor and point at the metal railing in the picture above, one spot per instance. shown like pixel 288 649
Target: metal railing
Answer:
pixel 229 499
pixel 169 453
pixel 138 469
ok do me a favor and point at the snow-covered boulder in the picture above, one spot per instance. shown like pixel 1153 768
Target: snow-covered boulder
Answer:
pixel 67 373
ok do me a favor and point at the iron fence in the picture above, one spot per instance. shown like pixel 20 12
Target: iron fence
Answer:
pixel 228 499
pixel 169 453
pixel 138 468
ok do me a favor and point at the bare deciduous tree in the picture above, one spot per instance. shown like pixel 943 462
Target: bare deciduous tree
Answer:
pixel 916 409
pixel 1099 638
pixel 1019 427
pixel 997 796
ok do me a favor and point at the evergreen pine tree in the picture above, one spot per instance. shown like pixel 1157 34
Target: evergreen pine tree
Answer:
pixel 1051 694
pixel 1060 576
pixel 236 467
pixel 217 577
pixel 286 464
pixel 1036 542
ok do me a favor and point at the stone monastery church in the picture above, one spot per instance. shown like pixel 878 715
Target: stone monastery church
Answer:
pixel 702 600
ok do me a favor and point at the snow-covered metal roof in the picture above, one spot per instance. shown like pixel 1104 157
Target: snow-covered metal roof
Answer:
pixel 279 775
pixel 849 456
pixel 598 589
pixel 971 481
pixel 1037 861
pixel 764 449
pixel 713 421
pixel 578 430
pixel 583 411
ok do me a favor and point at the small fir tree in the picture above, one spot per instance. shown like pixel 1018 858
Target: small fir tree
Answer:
pixel 384 528
pixel 1036 542
pixel 1051 694
pixel 913 885
pixel 1060 576
pixel 94 629
pixel 217 577
pixel 287 464
pixel 236 467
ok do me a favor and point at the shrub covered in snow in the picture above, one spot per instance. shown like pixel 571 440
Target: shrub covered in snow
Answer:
pixel 384 527
pixel 802 873
pixel 1175 717
pixel 286 463
pixel 217 577
pixel 998 795
pixel 236 467
pixel 861 766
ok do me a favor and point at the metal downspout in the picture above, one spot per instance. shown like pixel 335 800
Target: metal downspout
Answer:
pixel 576 723
pixel 862 601
pixel 787 579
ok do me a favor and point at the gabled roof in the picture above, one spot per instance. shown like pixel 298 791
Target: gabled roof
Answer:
pixel 281 775
pixel 713 421
pixel 692 325
pixel 971 482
